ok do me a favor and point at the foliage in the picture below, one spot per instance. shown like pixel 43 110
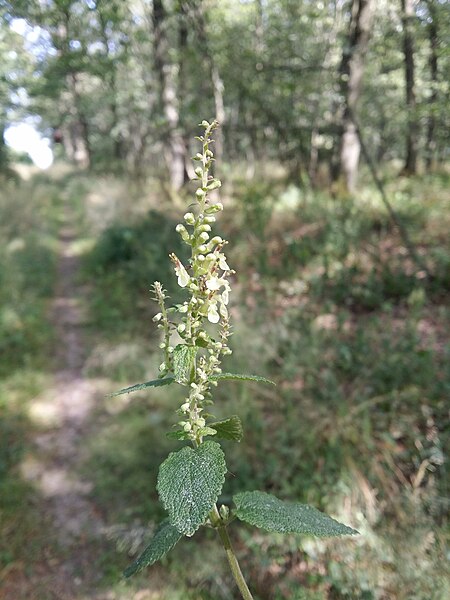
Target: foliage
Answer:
pixel 77 75
pixel 191 479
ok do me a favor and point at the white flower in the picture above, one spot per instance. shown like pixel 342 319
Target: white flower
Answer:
pixel 183 277
pixel 223 311
pixel 225 292
pixel 213 315
pixel 223 263
pixel 214 283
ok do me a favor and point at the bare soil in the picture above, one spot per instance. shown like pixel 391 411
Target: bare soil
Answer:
pixel 62 418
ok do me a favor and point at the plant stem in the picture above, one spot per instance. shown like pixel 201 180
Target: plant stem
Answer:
pixel 232 560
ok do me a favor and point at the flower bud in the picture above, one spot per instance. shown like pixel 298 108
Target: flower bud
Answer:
pixel 189 218
pixel 224 512
pixel 215 183
pixel 214 208
pixel 203 237
pixel 198 171
pixel 157 318
pixel 210 219
pixel 200 193
pixel 185 407
pixel 187 427
pixel 181 229
pixel 205 123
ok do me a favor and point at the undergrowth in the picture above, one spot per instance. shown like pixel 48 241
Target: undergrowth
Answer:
pixel 336 311
pixel 329 306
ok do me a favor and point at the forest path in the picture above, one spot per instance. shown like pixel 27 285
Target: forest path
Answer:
pixel 62 416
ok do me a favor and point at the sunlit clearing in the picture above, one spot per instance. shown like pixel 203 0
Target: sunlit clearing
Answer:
pixel 24 138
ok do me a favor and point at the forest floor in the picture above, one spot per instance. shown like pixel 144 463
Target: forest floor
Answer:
pixel 326 303
pixel 62 414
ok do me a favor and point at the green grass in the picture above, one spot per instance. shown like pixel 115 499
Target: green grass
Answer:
pixel 328 304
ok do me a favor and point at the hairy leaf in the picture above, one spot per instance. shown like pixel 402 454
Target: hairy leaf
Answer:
pixel 189 483
pixel 240 377
pixel 268 512
pixel 183 362
pixel 229 429
pixel 142 386
pixel 165 538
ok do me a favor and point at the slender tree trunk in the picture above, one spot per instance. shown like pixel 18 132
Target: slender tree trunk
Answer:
pixel 168 73
pixel 351 73
pixel 412 132
pixel 3 149
pixel 433 37
pixel 76 138
pixel 199 22
pixel 118 145
pixel 80 128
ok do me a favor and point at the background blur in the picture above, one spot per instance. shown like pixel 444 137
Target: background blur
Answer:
pixel 334 158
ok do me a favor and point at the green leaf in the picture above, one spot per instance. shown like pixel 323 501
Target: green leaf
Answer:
pixel 240 377
pixel 189 483
pixel 183 362
pixel 165 538
pixel 204 431
pixel 268 512
pixel 178 435
pixel 229 429
pixel 142 386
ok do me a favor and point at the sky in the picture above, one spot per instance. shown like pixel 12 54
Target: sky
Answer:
pixel 23 136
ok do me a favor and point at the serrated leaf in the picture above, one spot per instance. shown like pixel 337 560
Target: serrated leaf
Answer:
pixel 240 377
pixel 143 386
pixel 189 483
pixel 183 362
pixel 165 538
pixel 269 513
pixel 229 429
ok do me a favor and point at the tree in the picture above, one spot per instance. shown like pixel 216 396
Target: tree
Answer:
pixel 351 74
pixel 433 37
pixel 167 70
pixel 412 131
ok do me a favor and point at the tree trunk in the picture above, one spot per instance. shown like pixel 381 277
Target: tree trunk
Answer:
pixel 3 149
pixel 410 167
pixel 433 37
pixel 80 128
pixel 168 72
pixel 110 76
pixel 351 73
pixel 199 22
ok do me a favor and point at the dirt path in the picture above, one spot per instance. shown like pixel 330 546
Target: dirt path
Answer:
pixel 62 416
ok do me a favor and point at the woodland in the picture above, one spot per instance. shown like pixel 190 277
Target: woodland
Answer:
pixel 333 153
